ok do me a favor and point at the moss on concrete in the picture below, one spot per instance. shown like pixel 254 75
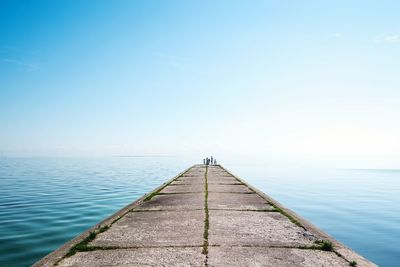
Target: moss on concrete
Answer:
pixel 83 245
pixel 206 219
pixel 291 218
pixel 353 263
pixel 324 245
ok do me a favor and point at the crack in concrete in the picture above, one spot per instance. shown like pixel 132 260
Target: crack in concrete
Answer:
pixel 206 220
pixel 255 210
pixel 181 209
pixel 93 248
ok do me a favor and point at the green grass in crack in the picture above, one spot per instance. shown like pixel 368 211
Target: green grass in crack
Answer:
pixel 206 219
pixel 83 245
pixel 324 245
pixel 292 219
pixel 353 263
pixel 155 193
pixel 103 229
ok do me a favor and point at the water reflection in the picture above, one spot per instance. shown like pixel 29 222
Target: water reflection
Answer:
pixel 45 202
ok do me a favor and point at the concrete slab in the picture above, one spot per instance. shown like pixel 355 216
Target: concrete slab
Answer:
pixel 228 188
pixel 195 172
pixel 193 175
pixel 256 256
pixel 252 228
pixel 191 201
pixel 216 168
pixel 154 228
pixel 223 176
pixel 234 201
pixel 137 257
pixel 218 174
pixel 188 182
pixel 191 178
pixel 222 181
pixel 211 174
pixel 193 188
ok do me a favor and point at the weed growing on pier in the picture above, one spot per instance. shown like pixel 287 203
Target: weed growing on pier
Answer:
pixel 292 219
pixel 206 220
pixel 103 229
pixel 353 263
pixel 149 197
pixel 157 192
pixel 325 245
pixel 152 195
pixel 83 245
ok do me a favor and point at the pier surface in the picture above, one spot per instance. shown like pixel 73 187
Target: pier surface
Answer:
pixel 204 217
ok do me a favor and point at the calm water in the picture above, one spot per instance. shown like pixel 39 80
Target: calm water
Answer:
pixel 45 202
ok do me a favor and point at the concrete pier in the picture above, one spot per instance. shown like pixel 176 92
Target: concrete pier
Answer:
pixel 205 216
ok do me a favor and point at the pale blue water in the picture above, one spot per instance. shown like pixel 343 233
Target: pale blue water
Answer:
pixel 358 207
pixel 45 202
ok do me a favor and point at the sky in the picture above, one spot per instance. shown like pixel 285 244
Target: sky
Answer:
pixel 313 81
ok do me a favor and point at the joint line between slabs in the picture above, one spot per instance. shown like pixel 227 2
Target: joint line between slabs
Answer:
pixel 206 220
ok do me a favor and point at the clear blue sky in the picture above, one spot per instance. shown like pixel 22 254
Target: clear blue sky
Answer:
pixel 314 80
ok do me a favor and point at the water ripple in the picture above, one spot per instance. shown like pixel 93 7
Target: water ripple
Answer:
pixel 358 207
pixel 45 202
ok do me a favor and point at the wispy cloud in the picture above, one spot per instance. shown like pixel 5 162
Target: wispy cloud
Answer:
pixel 29 66
pixel 387 38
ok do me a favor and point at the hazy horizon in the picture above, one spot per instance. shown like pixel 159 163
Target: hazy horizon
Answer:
pixel 279 82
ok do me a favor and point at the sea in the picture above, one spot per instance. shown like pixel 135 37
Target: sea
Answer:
pixel 45 202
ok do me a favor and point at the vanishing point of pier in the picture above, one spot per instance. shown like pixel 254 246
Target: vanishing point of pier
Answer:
pixel 205 216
